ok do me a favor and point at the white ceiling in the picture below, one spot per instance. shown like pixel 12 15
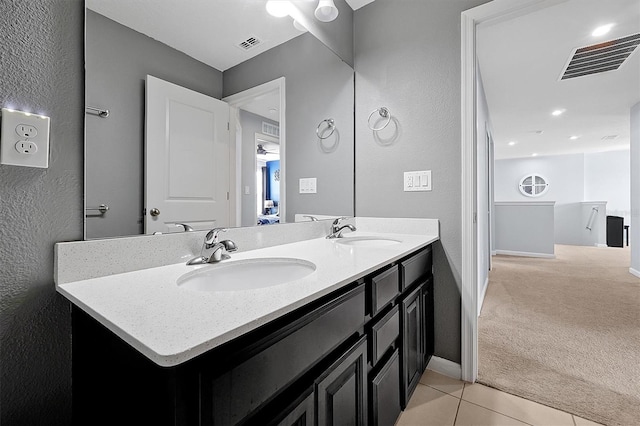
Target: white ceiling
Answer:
pixel 207 30
pixel 521 61
pixel 357 4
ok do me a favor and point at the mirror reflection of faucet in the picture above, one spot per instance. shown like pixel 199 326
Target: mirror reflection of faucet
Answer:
pixel 337 229
pixel 217 247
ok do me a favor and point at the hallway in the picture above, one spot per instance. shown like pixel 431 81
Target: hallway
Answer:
pixel 565 332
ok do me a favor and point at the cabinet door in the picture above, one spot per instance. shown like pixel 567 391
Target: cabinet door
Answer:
pixel 427 296
pixel 412 342
pixel 385 393
pixel 342 390
pixel 303 414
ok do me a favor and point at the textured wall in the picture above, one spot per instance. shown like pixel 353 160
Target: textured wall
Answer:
pixel 115 146
pixel 318 85
pixel 42 71
pixel 407 58
pixel 634 230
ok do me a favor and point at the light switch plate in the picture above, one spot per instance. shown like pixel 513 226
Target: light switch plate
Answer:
pixel 24 140
pixel 308 185
pixel 417 181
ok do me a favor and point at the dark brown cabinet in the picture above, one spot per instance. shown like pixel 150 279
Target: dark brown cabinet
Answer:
pixel 352 357
pixel 412 342
pixel 342 390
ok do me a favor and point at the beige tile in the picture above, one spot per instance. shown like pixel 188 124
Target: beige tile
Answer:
pixel 470 414
pixel 429 407
pixel 584 422
pixel 513 406
pixel 442 383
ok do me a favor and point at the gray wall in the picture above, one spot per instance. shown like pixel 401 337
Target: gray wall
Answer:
pixel 42 71
pixel 118 61
pixel 573 178
pixel 337 35
pixel 607 177
pixel 634 230
pixel 318 86
pixel 525 227
pixel 251 124
pixel 407 58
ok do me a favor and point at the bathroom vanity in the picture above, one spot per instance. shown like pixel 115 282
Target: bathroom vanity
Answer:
pixel 346 344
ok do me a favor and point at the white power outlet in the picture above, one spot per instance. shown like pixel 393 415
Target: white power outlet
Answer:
pixel 26 147
pixel 24 140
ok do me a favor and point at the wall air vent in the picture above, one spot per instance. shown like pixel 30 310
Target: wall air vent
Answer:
pixel 249 43
pixel 609 137
pixel 271 129
pixel 601 57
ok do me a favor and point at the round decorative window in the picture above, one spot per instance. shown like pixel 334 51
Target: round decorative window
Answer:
pixel 533 185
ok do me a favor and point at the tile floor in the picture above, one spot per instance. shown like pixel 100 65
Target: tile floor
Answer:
pixel 439 400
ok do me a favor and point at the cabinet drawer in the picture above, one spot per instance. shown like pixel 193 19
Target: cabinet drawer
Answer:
pixel 416 267
pixel 384 288
pixel 384 333
pixel 243 389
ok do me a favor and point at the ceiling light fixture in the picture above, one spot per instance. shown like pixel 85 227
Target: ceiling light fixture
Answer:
pixel 512 143
pixel 573 138
pixel 602 30
pixel 326 11
pixel 278 8
pixel 534 154
pixel 558 112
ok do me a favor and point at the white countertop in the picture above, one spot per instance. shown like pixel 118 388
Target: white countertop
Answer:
pixel 171 325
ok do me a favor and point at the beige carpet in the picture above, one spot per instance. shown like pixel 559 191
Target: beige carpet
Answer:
pixel 565 332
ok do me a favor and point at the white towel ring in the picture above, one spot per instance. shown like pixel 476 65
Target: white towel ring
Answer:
pixel 384 113
pixel 330 125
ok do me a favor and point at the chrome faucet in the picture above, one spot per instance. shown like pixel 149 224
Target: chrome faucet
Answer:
pixel 336 229
pixel 217 247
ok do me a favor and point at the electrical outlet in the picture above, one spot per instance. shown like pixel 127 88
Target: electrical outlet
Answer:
pixel 24 140
pixel 26 147
pixel 26 131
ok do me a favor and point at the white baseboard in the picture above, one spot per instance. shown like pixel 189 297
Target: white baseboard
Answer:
pixel 482 294
pixel 493 253
pixel 445 367
pixel 634 272
pixel 601 245
pixel 525 254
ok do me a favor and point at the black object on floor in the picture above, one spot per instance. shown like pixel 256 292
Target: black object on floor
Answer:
pixel 614 231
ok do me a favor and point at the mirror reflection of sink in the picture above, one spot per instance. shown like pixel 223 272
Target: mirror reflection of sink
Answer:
pixel 367 241
pixel 246 274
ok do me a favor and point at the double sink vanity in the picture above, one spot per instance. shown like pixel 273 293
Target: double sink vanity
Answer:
pixel 295 328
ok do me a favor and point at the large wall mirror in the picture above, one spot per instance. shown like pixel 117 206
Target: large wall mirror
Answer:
pixel 218 115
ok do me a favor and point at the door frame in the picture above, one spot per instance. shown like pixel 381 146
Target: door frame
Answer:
pixel 496 10
pixel 236 101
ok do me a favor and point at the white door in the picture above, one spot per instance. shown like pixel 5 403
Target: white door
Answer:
pixel 186 159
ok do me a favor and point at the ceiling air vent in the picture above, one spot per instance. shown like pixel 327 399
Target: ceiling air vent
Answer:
pixel 249 43
pixel 609 137
pixel 601 57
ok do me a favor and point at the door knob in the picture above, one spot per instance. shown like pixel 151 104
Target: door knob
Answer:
pixel 154 212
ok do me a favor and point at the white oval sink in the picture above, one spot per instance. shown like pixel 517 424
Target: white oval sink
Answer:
pixel 367 241
pixel 246 274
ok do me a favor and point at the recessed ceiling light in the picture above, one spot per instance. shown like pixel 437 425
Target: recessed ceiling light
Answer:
pixel 558 112
pixel 602 30
pixel 574 137
pixel 534 154
pixel 512 143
